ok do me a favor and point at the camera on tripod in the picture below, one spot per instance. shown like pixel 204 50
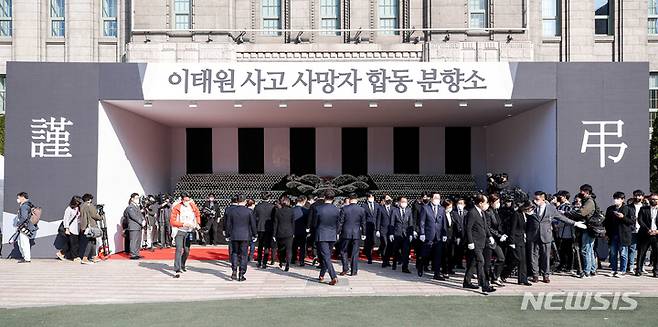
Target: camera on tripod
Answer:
pixel 101 209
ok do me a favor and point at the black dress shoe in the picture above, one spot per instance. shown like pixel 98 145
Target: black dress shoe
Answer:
pixel 438 277
pixel 469 286
pixel 535 279
pixel 488 289
pixel 369 261
pixel 655 275
pixel 287 268
pixel 234 275
pixel 406 271
pixel 385 265
pixel 395 267
pixel 177 275
pixel 420 272
pixel 241 279
pixel 526 283
pixel 343 273
pixel 353 274
pixel 135 257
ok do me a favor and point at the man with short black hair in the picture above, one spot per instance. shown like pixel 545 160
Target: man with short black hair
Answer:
pixel 619 224
pixel 637 202
pixel 264 215
pixel 373 212
pixel 325 226
pixel 648 235
pixel 477 235
pixel 351 228
pixel 240 229
pixel 25 227
pixel 134 220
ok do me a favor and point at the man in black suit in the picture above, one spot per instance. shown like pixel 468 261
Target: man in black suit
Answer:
pixel 240 230
pixel 477 236
pixel 264 214
pixel 517 241
pixel 351 228
pixel 432 231
pixel 210 212
pixel 460 246
pixel 373 211
pixel 647 236
pixel 284 230
pixel 310 228
pixel 402 232
pixel 381 228
pixel 619 225
pixel 299 240
pixel 325 226
pixel 232 205
pixel 454 231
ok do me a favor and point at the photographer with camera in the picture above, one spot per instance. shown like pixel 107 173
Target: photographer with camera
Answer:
pixel 210 221
pixel 149 210
pixel 133 221
pixel 185 219
pixel 89 218
pixel 497 183
pixel 164 227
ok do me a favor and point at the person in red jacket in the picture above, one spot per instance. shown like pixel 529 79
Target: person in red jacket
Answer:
pixel 185 218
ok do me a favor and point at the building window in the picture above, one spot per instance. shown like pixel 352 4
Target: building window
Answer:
pixel 477 13
pixel 182 14
pixel 329 16
pixel 272 16
pixel 653 17
pixel 5 17
pixel 549 14
pixel 602 17
pixel 388 16
pixel 653 91
pixel 3 79
pixel 110 18
pixel 57 22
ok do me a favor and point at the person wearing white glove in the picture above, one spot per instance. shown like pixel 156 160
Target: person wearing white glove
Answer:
pixel 540 236
pixel 517 244
pixel 402 228
pixel 477 236
pixel 383 224
pixel 373 212
pixel 352 229
pixel 433 227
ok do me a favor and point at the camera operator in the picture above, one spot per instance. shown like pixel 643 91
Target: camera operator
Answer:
pixel 210 221
pixel 133 222
pixel 496 183
pixel 164 226
pixel 149 210
pixel 88 224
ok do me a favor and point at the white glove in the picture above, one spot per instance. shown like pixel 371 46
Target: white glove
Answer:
pixel 363 237
pixel 444 239
pixel 391 238
pixel 377 234
pixel 274 239
pixel 228 239
pixel 513 246
pixel 580 224
pixel 503 238
pixel 415 234
pixel 458 241
pixel 337 237
pixel 422 238
pixel 308 230
pixel 491 240
pixel 411 238
pixel 471 246
pixel 144 223
pixel 254 239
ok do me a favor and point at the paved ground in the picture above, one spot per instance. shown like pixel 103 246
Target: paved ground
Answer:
pixel 50 282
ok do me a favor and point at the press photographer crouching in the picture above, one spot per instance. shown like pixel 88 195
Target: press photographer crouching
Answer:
pixel 185 219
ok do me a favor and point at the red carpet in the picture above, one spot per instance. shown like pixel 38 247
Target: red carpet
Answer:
pixel 201 253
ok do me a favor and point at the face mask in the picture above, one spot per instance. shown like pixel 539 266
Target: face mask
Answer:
pixel 485 207
pixel 136 200
pixel 653 203
pixel 403 205
pixel 460 206
pixel 371 200
pixel 436 202
pixel 18 201
pixel 529 212
pixel 449 209
pixel 211 200
pixel 426 201
pixel 618 202
pixel 496 205
pixel 388 202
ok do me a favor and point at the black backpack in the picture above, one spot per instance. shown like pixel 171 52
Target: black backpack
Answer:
pixel 595 222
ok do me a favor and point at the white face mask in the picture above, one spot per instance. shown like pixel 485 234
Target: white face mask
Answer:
pixel 460 206
pixel 136 200
pixel 485 207
pixel 496 205
pixel 436 202
pixel 371 200
pixel 18 201
pixel 619 202
pixel 449 209
pixel 403 205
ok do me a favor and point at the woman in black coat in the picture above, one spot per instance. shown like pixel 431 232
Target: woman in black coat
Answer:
pixel 284 229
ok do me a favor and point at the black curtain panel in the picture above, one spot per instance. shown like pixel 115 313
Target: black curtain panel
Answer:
pixel 251 150
pixel 302 151
pixel 199 150
pixel 458 150
pixel 406 150
pixel 354 149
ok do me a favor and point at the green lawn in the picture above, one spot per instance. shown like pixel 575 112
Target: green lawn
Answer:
pixel 490 311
